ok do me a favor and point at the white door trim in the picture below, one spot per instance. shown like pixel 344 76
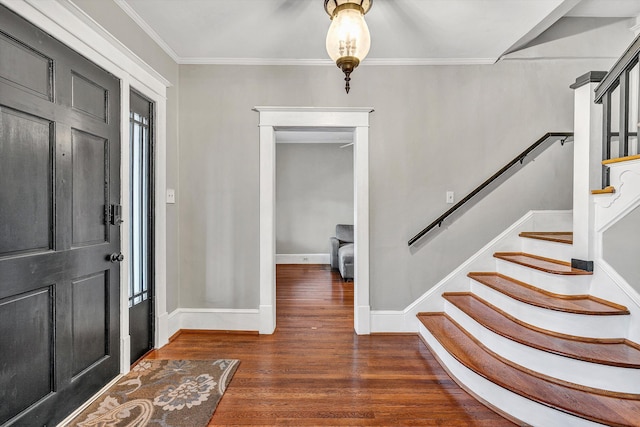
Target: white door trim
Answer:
pixel 272 119
pixel 63 20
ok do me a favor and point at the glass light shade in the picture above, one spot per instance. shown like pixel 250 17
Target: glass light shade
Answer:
pixel 348 35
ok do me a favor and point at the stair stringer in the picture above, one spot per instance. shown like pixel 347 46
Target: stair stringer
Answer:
pixel 607 283
pixel 457 281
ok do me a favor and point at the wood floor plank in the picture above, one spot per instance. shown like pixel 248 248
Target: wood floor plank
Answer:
pixel 314 370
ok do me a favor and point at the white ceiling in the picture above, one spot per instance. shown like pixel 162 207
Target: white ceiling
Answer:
pixel 402 31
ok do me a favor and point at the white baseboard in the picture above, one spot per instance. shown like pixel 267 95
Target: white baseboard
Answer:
pixel 388 321
pixel 303 258
pixel 217 319
pixel 173 322
pixel 125 352
pixel 162 330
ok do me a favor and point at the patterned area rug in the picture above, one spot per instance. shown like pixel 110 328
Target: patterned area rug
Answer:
pixel 167 393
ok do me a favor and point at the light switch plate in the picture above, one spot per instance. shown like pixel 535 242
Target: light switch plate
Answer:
pixel 171 196
pixel 449 197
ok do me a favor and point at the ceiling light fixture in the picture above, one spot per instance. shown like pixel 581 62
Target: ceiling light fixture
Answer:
pixel 348 39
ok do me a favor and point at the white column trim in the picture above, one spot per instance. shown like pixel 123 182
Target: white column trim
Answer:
pixel 66 22
pixel 272 118
pixel 362 314
pixel 267 230
pixel 587 154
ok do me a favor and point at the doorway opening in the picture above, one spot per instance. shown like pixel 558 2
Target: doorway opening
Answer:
pixel 355 120
pixel 314 193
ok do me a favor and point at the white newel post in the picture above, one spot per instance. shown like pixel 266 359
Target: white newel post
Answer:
pixel 587 158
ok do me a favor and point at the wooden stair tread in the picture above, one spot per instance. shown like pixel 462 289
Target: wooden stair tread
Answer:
pixel 596 405
pixel 547 265
pixel 578 304
pixel 606 352
pixel 551 236
pixel 621 159
pixel 606 190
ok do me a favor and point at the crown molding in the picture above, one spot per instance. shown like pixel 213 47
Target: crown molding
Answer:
pixel 147 29
pixel 328 62
pixel 254 61
pixel 429 61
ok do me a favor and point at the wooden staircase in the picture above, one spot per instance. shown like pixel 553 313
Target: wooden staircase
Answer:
pixel 529 341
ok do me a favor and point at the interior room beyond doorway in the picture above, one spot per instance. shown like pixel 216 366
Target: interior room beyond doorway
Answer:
pixel 314 192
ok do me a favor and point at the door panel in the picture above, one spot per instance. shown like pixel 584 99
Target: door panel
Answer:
pixel 90 300
pixel 90 172
pixel 89 97
pixel 26 379
pixel 59 173
pixel 28 69
pixel 25 159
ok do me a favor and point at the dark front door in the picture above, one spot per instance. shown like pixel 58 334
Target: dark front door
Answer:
pixel 59 177
pixel 141 227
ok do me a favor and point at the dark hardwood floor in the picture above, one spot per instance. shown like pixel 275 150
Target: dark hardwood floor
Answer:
pixel 314 370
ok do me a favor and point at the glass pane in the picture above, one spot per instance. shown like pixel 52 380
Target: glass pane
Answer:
pixel 131 222
pixel 633 145
pixel 140 208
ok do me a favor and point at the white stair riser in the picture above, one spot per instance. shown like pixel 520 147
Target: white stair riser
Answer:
pixel 523 409
pixel 552 221
pixel 581 325
pixel 613 378
pixel 556 283
pixel 547 249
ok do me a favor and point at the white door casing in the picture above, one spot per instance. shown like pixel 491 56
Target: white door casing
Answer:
pixel 278 118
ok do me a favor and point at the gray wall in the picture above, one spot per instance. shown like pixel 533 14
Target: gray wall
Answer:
pixel 621 248
pixel 435 128
pixel 314 192
pixel 117 22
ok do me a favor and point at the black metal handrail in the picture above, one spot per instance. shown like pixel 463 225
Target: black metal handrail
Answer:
pixel 518 159
pixel 618 78
pixel 628 59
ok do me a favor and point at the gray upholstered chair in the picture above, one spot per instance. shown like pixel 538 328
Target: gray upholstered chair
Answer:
pixel 342 250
